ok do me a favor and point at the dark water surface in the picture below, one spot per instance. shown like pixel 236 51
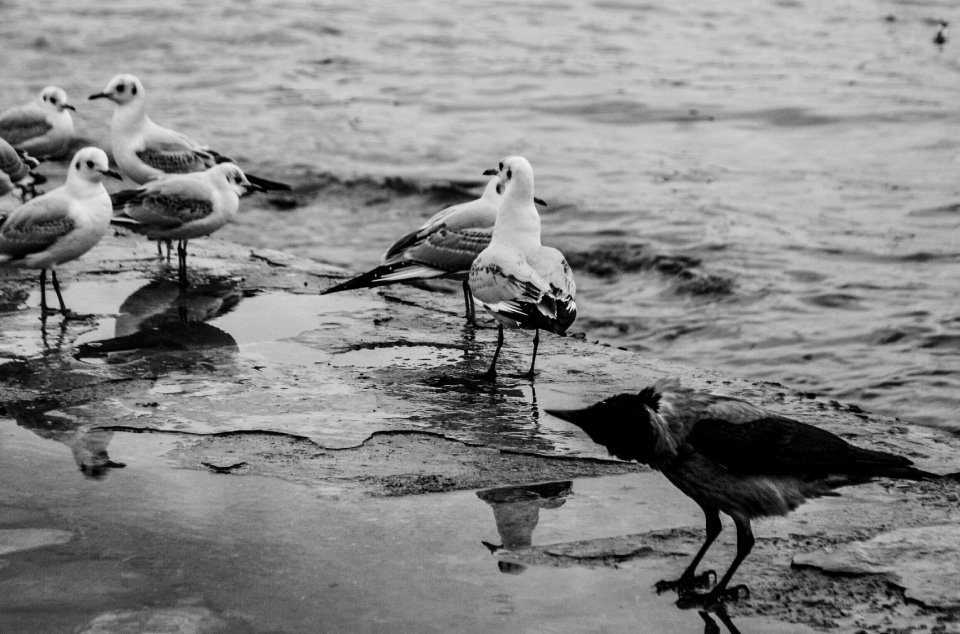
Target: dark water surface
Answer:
pixel 764 187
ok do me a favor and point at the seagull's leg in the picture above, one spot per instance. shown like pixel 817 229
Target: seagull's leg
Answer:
pixel 169 244
pixel 468 302
pixel 67 314
pixel 491 374
pixel 536 345
pixel 160 249
pixel 44 311
pixel 182 261
pixel 690 579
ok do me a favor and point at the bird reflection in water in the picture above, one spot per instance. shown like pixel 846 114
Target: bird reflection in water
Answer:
pixel 88 446
pixel 516 510
pixel 164 316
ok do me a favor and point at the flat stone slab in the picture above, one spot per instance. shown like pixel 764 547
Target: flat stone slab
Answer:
pixel 188 620
pixel 923 560
pixel 16 539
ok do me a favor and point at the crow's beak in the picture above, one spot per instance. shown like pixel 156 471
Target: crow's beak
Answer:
pixel 112 174
pixel 578 417
pixel 490 172
pixel 540 201
pixel 99 95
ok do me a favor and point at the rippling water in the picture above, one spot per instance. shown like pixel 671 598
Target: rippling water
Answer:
pixel 765 187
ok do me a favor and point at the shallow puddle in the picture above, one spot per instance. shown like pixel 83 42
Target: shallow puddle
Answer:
pixel 271 556
pixel 405 356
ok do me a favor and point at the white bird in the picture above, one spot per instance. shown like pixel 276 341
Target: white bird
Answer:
pixel 521 282
pixel 144 150
pixel 62 224
pixel 42 127
pixel 444 246
pixel 183 206
pixel 16 171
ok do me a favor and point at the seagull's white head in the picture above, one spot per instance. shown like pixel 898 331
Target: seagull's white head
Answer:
pixel 55 99
pixel 122 89
pixel 90 165
pixel 231 177
pixel 516 178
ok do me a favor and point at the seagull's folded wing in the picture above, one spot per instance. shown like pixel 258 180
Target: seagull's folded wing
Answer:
pixel 22 124
pixel 166 203
pixel 36 225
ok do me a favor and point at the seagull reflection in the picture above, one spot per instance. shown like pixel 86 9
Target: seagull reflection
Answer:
pixel 710 626
pixel 88 446
pixel 516 509
pixel 163 316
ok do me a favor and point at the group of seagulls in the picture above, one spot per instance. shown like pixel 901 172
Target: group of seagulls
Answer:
pixel 727 455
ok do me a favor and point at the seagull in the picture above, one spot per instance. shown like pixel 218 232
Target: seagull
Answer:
pixel 444 246
pixel 183 206
pixel 16 171
pixel 522 283
pixel 730 457
pixel 144 150
pixel 42 127
pixel 62 224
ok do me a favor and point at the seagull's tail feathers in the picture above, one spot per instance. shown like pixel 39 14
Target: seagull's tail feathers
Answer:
pixel 266 184
pixel 387 274
pixel 123 197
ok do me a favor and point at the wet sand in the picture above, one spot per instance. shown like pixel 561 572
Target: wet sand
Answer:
pixel 285 462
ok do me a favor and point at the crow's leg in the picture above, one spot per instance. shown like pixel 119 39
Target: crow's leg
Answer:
pixel 690 579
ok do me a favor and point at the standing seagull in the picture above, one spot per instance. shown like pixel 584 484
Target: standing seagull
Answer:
pixel 60 225
pixel 183 206
pixel 521 282
pixel 16 171
pixel 444 246
pixel 730 457
pixel 144 150
pixel 42 127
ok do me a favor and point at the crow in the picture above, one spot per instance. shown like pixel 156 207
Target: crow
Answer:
pixel 730 457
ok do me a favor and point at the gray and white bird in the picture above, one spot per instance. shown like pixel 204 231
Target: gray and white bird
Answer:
pixel 443 247
pixel 17 171
pixel 730 457
pixel 43 127
pixel 183 206
pixel 521 282
pixel 62 224
pixel 145 151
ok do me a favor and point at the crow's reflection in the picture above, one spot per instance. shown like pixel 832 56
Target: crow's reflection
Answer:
pixel 163 316
pixel 516 509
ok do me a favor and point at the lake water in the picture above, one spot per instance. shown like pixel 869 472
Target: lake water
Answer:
pixel 763 187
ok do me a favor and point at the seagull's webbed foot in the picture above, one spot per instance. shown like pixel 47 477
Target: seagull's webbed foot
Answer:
pixel 687 583
pixel 489 375
pixel 714 598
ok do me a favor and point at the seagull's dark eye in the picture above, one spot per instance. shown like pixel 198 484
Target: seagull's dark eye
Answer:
pixel 133 90
pixel 90 164
pixel 509 174
pixel 501 167
pixel 121 88
pixel 77 165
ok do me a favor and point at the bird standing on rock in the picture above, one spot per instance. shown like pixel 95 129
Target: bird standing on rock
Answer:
pixel 145 151
pixel 521 282
pixel 42 127
pixel 183 206
pixel 444 246
pixel 60 225
pixel 730 457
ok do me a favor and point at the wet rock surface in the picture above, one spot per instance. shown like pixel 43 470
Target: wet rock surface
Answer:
pixel 250 386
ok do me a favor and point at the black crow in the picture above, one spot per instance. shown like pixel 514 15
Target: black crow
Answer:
pixel 732 457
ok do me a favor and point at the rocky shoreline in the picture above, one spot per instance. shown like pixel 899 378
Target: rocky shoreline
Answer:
pixel 352 397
